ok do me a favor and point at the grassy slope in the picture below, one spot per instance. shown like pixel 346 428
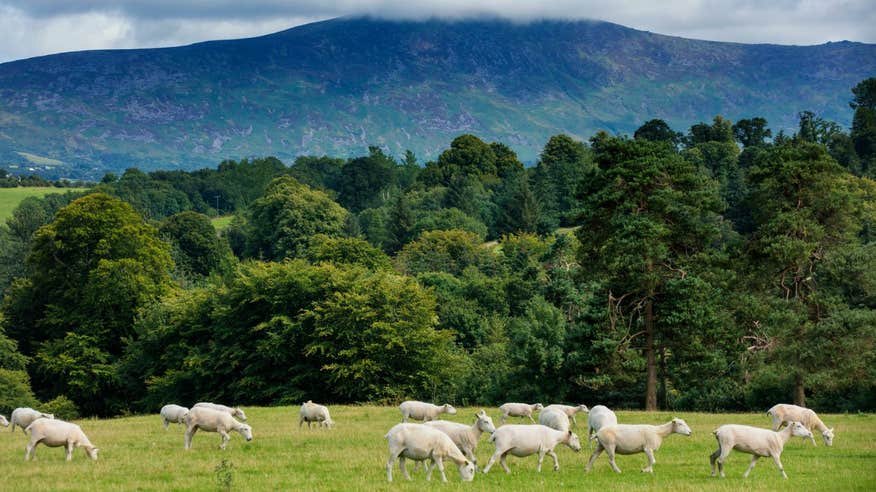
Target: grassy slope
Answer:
pixel 221 222
pixel 137 453
pixel 11 197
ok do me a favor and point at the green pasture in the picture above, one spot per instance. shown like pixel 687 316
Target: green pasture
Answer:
pixel 136 453
pixel 222 222
pixel 11 197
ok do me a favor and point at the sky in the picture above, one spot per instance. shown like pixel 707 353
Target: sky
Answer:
pixel 39 27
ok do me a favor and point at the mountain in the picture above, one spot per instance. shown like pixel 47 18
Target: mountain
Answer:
pixel 337 86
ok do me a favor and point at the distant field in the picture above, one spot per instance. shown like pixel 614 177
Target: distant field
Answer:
pixel 221 222
pixel 138 454
pixel 11 197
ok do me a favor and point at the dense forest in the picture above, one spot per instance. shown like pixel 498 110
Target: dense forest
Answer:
pixel 726 267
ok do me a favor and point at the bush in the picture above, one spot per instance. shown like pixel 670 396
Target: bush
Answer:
pixel 62 407
pixel 15 390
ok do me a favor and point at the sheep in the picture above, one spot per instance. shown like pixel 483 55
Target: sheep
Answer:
pixel 3 421
pixel 519 410
pixel 466 436
pixel 311 412
pixel 569 410
pixel 525 440
pixel 420 442
pixel 212 420
pixel 555 419
pixel 632 439
pixel 25 416
pixel 755 441
pixel 784 413
pixel 234 412
pixel 600 416
pixel 418 410
pixel 55 433
pixel 173 413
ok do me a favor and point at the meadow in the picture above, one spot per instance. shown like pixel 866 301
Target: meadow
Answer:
pixel 11 197
pixel 136 453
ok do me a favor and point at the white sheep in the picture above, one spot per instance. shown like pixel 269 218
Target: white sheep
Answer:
pixel 554 418
pixel 418 410
pixel 754 441
pixel 311 412
pixel 519 410
pixel 632 439
pixel 420 442
pixel 466 436
pixel 173 413
pixel 3 421
pixel 785 414
pixel 234 412
pixel 526 440
pixel 212 420
pixel 569 410
pixel 25 416
pixel 600 416
pixel 55 433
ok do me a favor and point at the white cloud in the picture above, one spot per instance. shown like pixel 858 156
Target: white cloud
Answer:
pixel 36 27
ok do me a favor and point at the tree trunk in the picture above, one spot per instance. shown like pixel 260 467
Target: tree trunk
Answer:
pixel 651 380
pixel 799 391
pixel 662 398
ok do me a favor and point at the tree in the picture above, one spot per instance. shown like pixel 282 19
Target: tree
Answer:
pixel 444 251
pixel 281 221
pixel 646 214
pixel 563 163
pixel 752 132
pixel 521 211
pixel 197 249
pixel 863 132
pixel 721 130
pixel 467 156
pixel 658 131
pixel 401 223
pixel 364 181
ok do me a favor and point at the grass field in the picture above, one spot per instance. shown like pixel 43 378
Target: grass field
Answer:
pixel 221 222
pixel 11 197
pixel 136 453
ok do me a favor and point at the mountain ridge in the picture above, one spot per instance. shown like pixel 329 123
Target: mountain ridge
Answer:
pixel 337 86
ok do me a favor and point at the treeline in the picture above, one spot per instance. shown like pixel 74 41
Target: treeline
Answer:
pixel 725 268
pixel 8 180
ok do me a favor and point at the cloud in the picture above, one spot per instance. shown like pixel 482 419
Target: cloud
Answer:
pixel 35 27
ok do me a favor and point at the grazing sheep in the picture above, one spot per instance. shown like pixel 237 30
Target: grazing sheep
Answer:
pixel 555 419
pixel 234 412
pixel 173 413
pixel 755 441
pixel 55 433
pixel 785 414
pixel 3 421
pixel 525 440
pixel 311 412
pixel 569 410
pixel 466 436
pixel 600 416
pixel 632 439
pixel 418 410
pixel 420 442
pixel 25 416
pixel 213 421
pixel 519 410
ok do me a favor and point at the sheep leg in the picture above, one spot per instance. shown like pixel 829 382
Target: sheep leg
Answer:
pixel 190 432
pixel 712 458
pixel 505 464
pixel 392 457
pixel 165 423
pixel 593 456
pixel 440 462
pixel 574 422
pixel 429 469
pixel 404 467
pixel 610 452
pixel 531 419
pixel 650 468
pixel 492 460
pixel 30 451
pixel 725 451
pixel 754 458
pixel 541 453
pixel 69 450
pixel 225 438
pixel 469 453
pixel 778 462
pixel 589 437
pixel 553 455
pixel 503 417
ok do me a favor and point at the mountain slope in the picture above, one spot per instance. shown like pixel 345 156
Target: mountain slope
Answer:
pixel 337 86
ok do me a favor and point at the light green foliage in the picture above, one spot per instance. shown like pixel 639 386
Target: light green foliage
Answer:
pixel 446 219
pixel 444 251
pixel 346 251
pixel 289 213
pixel 61 407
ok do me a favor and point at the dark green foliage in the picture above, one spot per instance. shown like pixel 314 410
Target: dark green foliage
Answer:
pixel 752 132
pixel 364 181
pixel 564 162
pixel 536 352
pixel 317 172
pixel 196 248
pixel 658 131
pixel 863 132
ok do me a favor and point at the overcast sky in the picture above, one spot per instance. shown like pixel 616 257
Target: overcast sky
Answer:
pixel 38 27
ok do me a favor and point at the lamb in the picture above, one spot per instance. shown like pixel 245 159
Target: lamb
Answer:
pixel 519 410
pixel 525 440
pixel 569 410
pixel 212 420
pixel 3 421
pixel 418 410
pixel 600 416
pixel 755 441
pixel 555 419
pixel 173 413
pixel 55 433
pixel 234 412
pixel 311 412
pixel 464 436
pixel 421 442
pixel 632 439
pixel 784 413
pixel 25 416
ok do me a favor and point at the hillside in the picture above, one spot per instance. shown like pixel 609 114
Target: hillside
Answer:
pixel 337 86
